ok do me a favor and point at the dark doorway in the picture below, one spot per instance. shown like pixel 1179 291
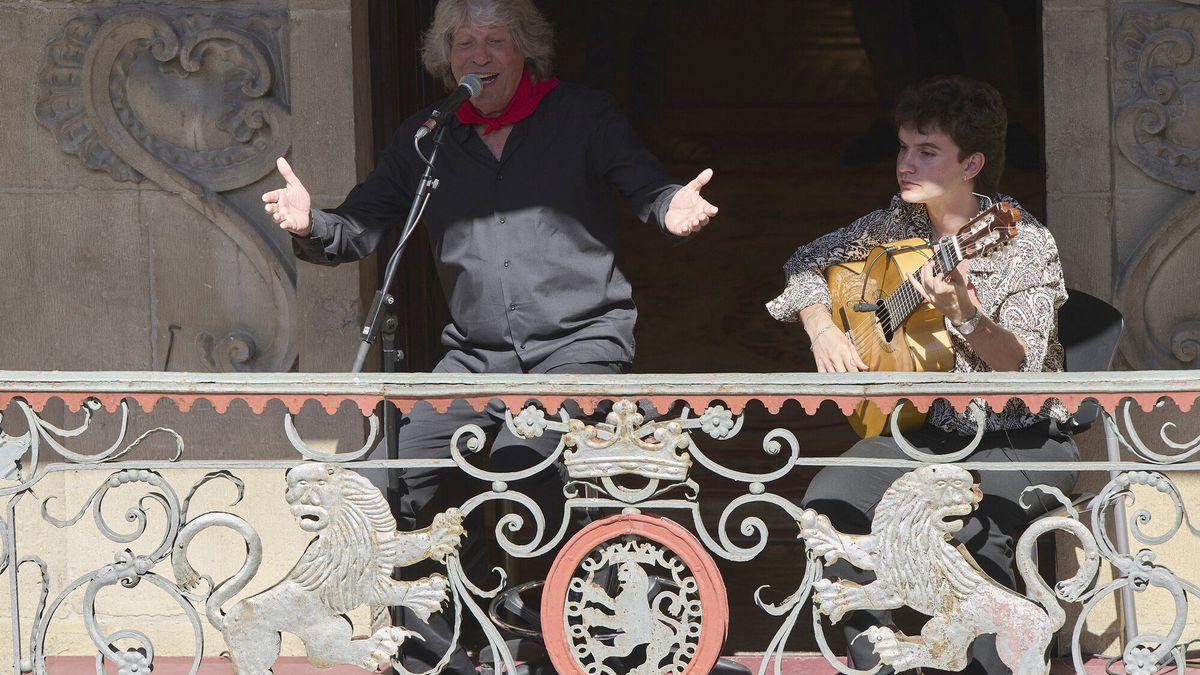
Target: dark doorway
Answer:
pixel 770 94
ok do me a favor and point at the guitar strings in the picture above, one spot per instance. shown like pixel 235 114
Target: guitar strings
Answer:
pixel 873 328
pixel 909 299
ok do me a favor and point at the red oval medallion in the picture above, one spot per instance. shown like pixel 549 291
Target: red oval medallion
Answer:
pixel 666 611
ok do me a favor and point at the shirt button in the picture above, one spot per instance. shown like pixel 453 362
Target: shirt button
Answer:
pixel 501 220
pixel 506 263
pixel 522 346
pixel 512 308
pixel 499 176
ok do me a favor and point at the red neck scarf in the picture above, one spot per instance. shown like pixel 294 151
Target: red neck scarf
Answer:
pixel 522 104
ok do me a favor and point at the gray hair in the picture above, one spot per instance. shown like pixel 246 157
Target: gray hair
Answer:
pixel 532 34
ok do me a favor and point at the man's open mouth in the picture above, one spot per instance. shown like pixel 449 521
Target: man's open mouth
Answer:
pixel 488 78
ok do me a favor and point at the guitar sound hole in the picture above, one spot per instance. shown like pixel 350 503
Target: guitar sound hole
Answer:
pixel 888 333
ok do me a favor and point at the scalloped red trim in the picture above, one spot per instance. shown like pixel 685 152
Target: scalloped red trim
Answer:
pixel 257 403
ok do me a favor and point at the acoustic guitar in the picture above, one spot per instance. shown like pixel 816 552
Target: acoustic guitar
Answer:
pixel 877 304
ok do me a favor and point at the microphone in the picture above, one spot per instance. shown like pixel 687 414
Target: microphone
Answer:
pixel 468 87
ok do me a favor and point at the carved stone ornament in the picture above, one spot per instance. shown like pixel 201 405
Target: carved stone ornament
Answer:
pixel 195 103
pixel 1157 338
pixel 347 565
pixel 915 565
pixel 634 594
pixel 1156 93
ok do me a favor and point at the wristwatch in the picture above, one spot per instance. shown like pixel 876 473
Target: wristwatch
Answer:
pixel 967 327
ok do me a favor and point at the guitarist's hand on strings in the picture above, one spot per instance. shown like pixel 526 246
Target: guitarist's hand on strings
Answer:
pixel 1001 349
pixel 832 350
pixel 950 296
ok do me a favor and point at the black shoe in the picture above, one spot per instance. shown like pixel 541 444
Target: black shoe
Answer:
pixel 729 667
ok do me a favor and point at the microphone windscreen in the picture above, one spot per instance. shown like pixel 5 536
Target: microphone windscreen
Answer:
pixel 473 84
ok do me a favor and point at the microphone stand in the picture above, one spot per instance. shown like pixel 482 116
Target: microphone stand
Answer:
pixel 383 297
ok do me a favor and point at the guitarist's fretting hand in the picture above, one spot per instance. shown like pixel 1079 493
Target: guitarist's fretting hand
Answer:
pixel 950 297
pixel 832 350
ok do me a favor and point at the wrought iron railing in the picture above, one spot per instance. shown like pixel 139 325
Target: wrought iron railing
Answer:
pixel 665 598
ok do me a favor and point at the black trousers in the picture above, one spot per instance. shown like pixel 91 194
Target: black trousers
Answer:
pixel 426 434
pixel 849 495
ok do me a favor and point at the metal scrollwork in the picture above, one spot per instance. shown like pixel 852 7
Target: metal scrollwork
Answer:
pixel 663 450
pixel 1132 440
pixel 127 570
pixel 293 436
pixel 14 448
pixel 624 444
pixel 631 592
pixel 978 415
pixel 1140 571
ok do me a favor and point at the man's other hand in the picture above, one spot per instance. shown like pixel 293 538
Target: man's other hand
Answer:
pixel 689 212
pixel 289 206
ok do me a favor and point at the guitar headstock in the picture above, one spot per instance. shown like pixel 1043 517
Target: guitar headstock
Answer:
pixel 989 230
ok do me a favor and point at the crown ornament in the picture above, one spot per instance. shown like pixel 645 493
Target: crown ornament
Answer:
pixel 625 443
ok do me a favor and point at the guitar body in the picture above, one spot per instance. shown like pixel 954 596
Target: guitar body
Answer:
pixel 920 344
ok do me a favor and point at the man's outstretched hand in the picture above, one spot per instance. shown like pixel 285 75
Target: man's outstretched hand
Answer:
pixel 290 206
pixel 689 212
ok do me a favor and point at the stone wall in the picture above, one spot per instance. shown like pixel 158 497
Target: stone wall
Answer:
pixel 1122 120
pixel 138 137
pixel 1122 101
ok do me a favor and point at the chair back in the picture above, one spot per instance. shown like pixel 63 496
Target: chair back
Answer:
pixel 1089 330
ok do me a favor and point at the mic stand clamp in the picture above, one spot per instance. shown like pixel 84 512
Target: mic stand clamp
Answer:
pixel 383 297
pixel 393 356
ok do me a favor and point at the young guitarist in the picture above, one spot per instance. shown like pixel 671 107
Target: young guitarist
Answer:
pixel 1001 315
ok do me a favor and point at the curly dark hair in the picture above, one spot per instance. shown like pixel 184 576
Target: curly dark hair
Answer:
pixel 970 112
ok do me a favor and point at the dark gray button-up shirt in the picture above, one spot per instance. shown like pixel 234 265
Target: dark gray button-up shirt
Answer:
pixel 524 245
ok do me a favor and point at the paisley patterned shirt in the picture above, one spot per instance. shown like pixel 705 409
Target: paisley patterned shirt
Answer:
pixel 1020 287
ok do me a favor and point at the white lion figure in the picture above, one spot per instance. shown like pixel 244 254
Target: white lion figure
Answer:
pixel 915 565
pixel 638 621
pixel 348 564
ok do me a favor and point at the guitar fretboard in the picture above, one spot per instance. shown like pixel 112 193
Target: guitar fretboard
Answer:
pixel 900 303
